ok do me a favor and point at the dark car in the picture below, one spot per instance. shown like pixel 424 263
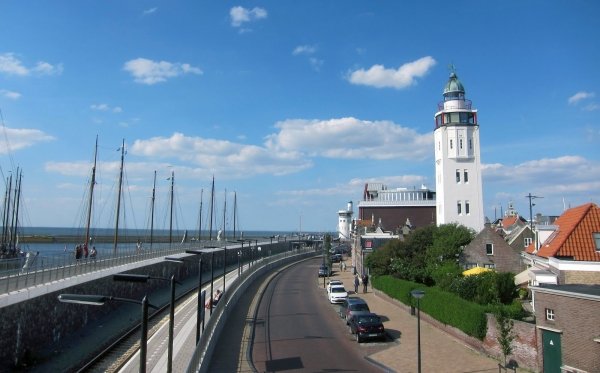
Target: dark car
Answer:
pixel 336 258
pixel 351 306
pixel 366 326
pixel 324 271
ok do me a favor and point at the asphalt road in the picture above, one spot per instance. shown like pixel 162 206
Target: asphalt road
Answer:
pixel 297 329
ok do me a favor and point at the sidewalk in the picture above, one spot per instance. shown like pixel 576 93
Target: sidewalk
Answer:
pixel 440 352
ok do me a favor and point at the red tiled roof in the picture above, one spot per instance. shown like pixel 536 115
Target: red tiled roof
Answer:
pixel 508 221
pixel 574 236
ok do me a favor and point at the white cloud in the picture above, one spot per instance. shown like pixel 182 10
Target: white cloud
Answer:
pixel 11 65
pixel 150 72
pixel 405 76
pixel 580 96
pixel 21 138
pixel 44 68
pixel 10 94
pixel 349 138
pixel 553 176
pixel 240 15
pixel 304 49
pixel 315 63
pixel 229 159
pixel 106 107
pixel 149 11
pixel 591 107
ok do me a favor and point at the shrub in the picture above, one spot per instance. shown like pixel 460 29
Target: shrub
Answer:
pixel 443 306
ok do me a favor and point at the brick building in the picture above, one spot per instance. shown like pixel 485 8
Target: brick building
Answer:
pixel 489 249
pixel 391 209
pixel 568 330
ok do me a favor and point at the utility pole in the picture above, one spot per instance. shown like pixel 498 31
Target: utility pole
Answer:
pixel 530 197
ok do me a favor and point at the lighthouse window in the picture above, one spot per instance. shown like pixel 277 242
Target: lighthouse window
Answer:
pixel 467 207
pixel 454 118
pixel 466 177
pixel 458 208
pixel 464 117
pixel 450 143
pixel 460 143
pixel 470 144
pixel 458 176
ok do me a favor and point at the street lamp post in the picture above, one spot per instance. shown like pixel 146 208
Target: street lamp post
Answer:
pixel 144 278
pixel 201 294
pixel 418 294
pixel 224 266
pixel 99 300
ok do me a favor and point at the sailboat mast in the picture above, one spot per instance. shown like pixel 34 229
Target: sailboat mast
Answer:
pixel 200 217
pixel 224 213
pixel 91 199
pixel 13 237
pixel 119 198
pixel 6 213
pixel 171 218
pixel 152 211
pixel 234 213
pixel 212 207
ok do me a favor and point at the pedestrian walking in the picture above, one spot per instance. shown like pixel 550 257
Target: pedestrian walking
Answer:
pixel 356 284
pixel 365 282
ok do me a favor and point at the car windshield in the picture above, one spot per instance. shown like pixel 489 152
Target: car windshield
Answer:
pixel 338 289
pixel 368 319
pixel 359 307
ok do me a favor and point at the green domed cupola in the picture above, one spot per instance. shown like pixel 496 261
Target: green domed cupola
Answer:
pixel 454 89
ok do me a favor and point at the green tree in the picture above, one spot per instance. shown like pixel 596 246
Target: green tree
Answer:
pixel 506 334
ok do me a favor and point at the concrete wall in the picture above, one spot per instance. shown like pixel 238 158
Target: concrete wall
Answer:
pixel 40 331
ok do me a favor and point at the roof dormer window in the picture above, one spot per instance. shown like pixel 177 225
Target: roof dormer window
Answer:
pixel 597 241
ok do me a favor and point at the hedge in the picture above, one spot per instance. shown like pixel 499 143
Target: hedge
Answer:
pixel 443 306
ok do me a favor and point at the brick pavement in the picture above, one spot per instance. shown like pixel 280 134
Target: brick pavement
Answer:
pixel 440 352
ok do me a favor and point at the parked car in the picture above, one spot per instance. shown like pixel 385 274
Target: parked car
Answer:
pixel 324 271
pixel 337 294
pixel 336 258
pixel 366 326
pixel 352 305
pixel 333 283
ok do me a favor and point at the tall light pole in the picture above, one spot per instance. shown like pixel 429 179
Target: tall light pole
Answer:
pixel 201 294
pixel 418 294
pixel 224 266
pixel 531 209
pixel 144 278
pixel 99 300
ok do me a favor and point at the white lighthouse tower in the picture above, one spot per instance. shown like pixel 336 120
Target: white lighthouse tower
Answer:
pixel 344 222
pixel 459 191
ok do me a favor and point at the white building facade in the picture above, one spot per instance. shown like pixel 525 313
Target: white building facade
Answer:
pixel 459 191
pixel 345 222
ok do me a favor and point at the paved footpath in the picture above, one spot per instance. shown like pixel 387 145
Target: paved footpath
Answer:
pixel 440 352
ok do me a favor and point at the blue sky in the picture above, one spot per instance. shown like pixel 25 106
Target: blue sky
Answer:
pixel 292 105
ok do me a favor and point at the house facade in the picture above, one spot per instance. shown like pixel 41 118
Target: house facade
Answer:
pixel 568 330
pixel 490 250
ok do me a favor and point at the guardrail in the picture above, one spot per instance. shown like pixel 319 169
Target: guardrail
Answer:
pixel 201 358
pixel 45 270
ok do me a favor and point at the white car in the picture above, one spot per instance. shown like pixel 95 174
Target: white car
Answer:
pixel 333 283
pixel 337 294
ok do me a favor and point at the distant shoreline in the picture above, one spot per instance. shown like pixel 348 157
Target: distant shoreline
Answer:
pixel 98 239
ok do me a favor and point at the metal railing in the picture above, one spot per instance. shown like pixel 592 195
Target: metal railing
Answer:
pixel 14 275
